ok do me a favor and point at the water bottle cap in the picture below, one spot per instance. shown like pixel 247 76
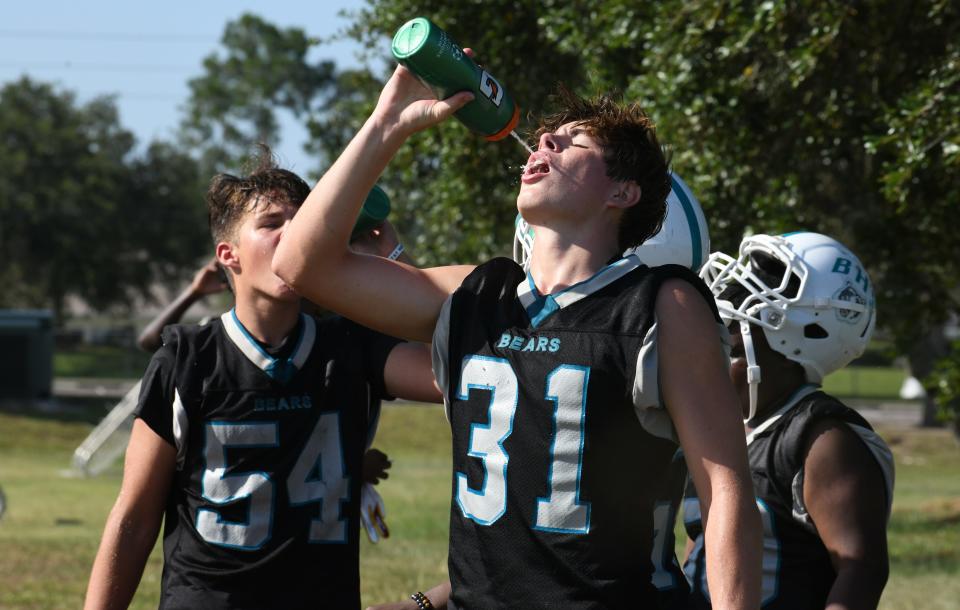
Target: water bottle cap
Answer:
pixel 410 37
pixel 510 126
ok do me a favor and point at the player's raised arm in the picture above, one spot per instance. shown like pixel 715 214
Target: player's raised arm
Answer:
pixel 706 414
pixel 313 256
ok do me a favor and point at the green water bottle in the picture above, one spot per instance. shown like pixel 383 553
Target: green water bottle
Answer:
pixel 376 208
pixel 441 64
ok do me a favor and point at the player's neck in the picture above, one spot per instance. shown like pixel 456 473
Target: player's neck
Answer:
pixel 558 263
pixel 268 321
pixel 776 395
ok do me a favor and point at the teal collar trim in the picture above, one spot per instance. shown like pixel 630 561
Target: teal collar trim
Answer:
pixel 539 307
pixel 281 370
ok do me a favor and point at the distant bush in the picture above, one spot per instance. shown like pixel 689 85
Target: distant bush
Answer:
pixel 878 353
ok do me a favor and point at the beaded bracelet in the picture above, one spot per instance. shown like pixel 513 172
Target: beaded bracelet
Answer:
pixel 396 252
pixel 423 602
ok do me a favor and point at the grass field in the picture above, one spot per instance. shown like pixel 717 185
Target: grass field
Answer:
pixel 50 533
pixel 880 383
pixel 99 361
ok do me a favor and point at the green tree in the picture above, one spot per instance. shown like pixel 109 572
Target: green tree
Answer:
pixel 944 385
pixel 829 116
pixel 826 116
pixel 166 207
pixel 454 193
pixel 80 213
pixel 262 70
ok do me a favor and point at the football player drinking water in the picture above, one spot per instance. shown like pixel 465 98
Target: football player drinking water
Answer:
pixel 539 515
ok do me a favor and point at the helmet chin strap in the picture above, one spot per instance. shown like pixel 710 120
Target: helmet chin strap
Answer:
pixel 753 371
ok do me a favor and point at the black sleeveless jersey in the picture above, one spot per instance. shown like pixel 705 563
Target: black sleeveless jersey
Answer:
pixel 263 510
pixel 561 445
pixel 797 572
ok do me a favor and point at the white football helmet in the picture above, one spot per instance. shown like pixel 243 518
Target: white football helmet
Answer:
pixel 683 240
pixel 808 292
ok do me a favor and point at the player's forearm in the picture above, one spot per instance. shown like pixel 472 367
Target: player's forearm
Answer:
pixel 859 584
pixel 119 564
pixel 733 538
pixel 149 340
pixel 438 597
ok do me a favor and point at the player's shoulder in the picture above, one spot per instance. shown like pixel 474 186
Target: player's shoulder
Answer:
pixel 818 407
pixel 495 271
pixel 339 333
pixel 333 324
pixel 662 273
pixel 180 337
pixel 491 284
pixel 678 275
pixel 814 415
pixel 191 348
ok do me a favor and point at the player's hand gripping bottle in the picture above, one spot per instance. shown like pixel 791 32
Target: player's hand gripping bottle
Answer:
pixel 441 64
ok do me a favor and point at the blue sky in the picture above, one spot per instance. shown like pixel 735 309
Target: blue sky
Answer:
pixel 145 52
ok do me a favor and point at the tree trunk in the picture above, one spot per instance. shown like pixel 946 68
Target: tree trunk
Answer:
pixel 922 357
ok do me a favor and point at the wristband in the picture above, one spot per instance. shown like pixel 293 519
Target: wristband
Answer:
pixel 396 254
pixel 423 602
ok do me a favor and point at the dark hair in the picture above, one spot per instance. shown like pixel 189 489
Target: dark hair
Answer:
pixel 230 197
pixel 631 151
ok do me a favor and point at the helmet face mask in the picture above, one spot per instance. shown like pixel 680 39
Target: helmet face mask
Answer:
pixel 522 242
pixel 684 238
pixel 769 274
pixel 807 292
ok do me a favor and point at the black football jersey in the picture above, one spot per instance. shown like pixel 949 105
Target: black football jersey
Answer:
pixel 263 510
pixel 797 572
pixel 561 445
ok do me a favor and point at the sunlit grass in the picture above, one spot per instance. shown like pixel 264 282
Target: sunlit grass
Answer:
pixel 881 383
pixel 51 531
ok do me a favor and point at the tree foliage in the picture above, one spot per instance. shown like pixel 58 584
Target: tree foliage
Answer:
pixel 944 385
pixel 453 192
pixel 829 116
pixel 825 116
pixel 260 71
pixel 791 116
pixel 81 214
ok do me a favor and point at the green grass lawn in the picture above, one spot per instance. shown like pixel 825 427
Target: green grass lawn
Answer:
pixel 50 534
pixel 99 361
pixel 866 382
pixel 924 533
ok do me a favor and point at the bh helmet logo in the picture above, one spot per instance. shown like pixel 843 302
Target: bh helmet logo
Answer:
pixel 849 294
pixel 491 88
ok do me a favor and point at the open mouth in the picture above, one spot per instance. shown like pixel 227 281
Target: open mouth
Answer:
pixel 536 165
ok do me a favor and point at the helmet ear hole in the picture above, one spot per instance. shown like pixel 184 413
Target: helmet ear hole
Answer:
pixel 815 331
